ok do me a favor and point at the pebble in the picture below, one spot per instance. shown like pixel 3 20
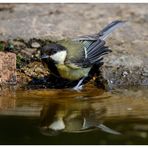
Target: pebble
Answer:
pixel 35 45
pixel 145 71
pixel 125 73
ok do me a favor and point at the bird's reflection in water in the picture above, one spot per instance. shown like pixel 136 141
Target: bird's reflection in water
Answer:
pixel 73 118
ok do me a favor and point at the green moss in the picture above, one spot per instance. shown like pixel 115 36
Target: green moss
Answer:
pixel 19 60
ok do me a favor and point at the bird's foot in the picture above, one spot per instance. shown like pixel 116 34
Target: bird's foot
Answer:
pixel 78 88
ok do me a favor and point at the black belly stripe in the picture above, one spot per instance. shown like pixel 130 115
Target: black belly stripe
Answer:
pixel 52 67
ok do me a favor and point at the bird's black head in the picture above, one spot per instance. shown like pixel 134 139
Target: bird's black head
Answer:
pixel 55 52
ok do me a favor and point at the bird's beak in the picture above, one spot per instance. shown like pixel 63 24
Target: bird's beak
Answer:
pixel 44 56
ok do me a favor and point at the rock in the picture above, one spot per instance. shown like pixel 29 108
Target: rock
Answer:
pixel 124 70
pixel 28 52
pixel 36 21
pixel 7 68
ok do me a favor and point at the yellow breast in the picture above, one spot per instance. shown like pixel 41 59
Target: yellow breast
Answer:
pixel 72 73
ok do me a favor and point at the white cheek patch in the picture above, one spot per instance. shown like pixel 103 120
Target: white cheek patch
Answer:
pixel 57 125
pixel 59 57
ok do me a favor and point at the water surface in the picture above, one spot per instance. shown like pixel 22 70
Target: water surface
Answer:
pixel 65 116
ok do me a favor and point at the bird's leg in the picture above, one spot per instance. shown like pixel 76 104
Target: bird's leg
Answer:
pixel 95 69
pixel 79 85
pixel 108 130
pixel 82 81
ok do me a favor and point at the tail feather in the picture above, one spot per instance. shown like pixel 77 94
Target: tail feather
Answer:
pixel 108 130
pixel 103 34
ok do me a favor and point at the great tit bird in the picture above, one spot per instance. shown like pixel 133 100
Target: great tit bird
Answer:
pixel 78 58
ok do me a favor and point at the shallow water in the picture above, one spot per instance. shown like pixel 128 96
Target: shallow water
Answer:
pixel 65 116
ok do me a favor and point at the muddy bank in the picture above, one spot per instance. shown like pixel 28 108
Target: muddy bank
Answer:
pixel 26 27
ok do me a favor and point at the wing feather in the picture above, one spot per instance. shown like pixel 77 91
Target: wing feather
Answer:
pixel 94 45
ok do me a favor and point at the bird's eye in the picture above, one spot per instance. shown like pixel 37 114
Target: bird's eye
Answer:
pixel 53 51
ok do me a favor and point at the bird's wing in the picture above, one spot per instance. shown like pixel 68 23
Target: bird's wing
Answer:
pixel 95 51
pixel 84 53
pixel 94 45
